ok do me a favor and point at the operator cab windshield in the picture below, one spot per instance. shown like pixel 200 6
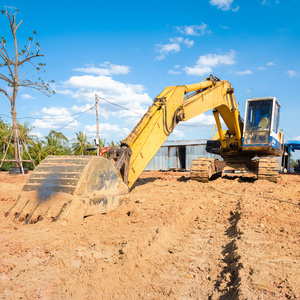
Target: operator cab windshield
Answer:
pixel 259 115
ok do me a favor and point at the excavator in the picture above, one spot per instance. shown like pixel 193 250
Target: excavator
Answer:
pixel 73 187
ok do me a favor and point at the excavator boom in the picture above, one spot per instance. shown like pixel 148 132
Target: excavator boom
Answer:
pixel 172 105
pixel 69 187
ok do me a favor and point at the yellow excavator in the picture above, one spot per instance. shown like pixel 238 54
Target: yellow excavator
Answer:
pixel 72 187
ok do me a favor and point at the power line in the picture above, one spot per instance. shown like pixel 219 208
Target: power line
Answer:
pixel 76 118
pixel 120 106
pixel 59 118
pixel 287 133
pixel 72 120
pixel 43 118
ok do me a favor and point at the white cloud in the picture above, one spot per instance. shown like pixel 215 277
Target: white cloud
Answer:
pixel 224 4
pixel 291 73
pixel 201 121
pixel 268 2
pixel 261 68
pixel 246 72
pixel 176 71
pixel 195 30
pixel 137 88
pixel 81 109
pixel 134 112
pixel 108 69
pixel 173 72
pixel 36 133
pixel 269 64
pixel 56 111
pixel 90 109
pixel 106 130
pixel 205 63
pixel 172 47
pixel 178 133
pixel 55 118
pixel 179 40
pixel 215 59
pixel 64 92
pixel 27 96
pixel 87 86
pixel 198 70
pixel 165 49
pixel 132 121
pixel 121 105
pixel 224 27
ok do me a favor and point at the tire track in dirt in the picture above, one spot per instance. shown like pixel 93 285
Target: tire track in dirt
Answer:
pixel 256 268
pixel 209 239
pixel 228 281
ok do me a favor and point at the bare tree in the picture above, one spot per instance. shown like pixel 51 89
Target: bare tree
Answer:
pixel 11 67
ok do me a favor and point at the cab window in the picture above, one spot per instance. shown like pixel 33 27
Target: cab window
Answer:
pixel 276 117
pixel 259 115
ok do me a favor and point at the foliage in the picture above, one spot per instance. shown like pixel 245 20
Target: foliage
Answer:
pixel 113 144
pixel 5 135
pixel 38 151
pixel 55 143
pixel 80 143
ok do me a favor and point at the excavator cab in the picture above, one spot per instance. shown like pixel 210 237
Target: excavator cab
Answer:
pixel 261 129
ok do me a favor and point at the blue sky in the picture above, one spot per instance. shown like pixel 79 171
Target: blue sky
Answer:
pixel 128 51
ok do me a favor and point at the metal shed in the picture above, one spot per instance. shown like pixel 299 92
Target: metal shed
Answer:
pixel 178 155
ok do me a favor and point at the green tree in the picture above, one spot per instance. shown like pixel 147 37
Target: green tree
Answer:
pixel 25 138
pixel 38 151
pixel 80 143
pixel 56 143
pixel 102 143
pixel 5 135
pixel 113 144
pixel 11 64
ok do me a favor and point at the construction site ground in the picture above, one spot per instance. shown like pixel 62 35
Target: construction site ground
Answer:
pixel 176 239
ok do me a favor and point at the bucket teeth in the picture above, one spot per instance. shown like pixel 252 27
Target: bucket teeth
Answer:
pixel 69 188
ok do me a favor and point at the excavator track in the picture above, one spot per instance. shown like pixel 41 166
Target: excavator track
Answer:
pixel 268 169
pixel 202 169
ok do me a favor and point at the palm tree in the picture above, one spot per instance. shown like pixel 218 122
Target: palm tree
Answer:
pixel 56 143
pixel 25 137
pixel 38 151
pixel 5 135
pixel 112 144
pixel 80 143
pixel 102 143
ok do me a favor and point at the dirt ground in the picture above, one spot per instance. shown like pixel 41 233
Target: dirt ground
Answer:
pixel 176 239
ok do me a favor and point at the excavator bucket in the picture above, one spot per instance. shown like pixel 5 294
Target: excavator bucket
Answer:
pixel 69 188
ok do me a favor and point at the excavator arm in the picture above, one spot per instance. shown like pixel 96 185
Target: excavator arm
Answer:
pixel 172 105
pixel 70 187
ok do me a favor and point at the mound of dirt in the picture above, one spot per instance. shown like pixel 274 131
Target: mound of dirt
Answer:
pixel 176 239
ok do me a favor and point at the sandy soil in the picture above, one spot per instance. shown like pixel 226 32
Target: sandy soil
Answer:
pixel 176 239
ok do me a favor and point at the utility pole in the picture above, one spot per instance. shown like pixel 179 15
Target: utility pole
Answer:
pixel 97 122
